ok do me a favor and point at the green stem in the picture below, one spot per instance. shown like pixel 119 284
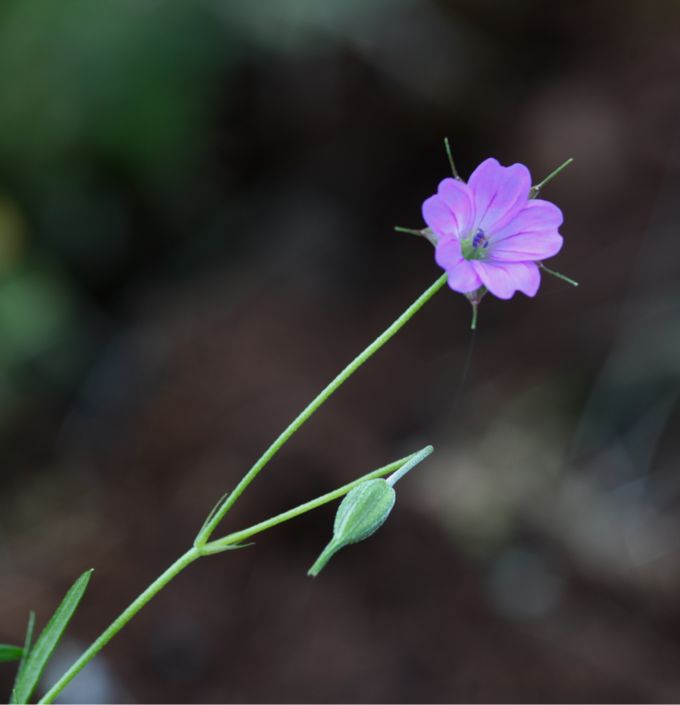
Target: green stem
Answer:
pixel 320 563
pixel 219 545
pixel 213 547
pixel 201 546
pixel 452 164
pixel 535 190
pixel 563 277
pixel 105 637
pixel 409 231
pixel 473 323
pixel 210 526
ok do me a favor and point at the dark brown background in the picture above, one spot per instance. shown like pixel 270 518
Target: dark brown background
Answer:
pixel 196 211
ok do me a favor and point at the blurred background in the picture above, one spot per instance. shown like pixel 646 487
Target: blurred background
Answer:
pixel 196 212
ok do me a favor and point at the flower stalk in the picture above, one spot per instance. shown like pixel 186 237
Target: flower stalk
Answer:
pixel 323 395
pixel 202 544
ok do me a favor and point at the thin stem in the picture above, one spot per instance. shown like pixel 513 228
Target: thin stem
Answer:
pixel 301 418
pixel 475 309
pixel 219 545
pixel 535 190
pixel 452 164
pixel 331 549
pixel 105 637
pixel 410 231
pixel 213 547
pixel 563 277
pixel 201 546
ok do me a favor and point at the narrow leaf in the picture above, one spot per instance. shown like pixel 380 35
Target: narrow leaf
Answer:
pixel 37 659
pixel 10 653
pixel 28 639
pixel 200 539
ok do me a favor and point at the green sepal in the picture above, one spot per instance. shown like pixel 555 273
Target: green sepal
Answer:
pixel 427 233
pixel 214 547
pixel 202 536
pixel 535 190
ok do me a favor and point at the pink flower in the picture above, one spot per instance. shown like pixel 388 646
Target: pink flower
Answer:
pixel 490 233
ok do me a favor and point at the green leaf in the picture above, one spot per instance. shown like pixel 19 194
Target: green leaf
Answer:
pixel 27 647
pixel 34 664
pixel 360 514
pixel 10 653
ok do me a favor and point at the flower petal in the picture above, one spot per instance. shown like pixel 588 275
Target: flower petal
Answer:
pixel 458 198
pixel 527 277
pixel 439 216
pixel 527 247
pixel 503 280
pixel 462 275
pixel 463 278
pixel 536 216
pixel 447 253
pixel 499 193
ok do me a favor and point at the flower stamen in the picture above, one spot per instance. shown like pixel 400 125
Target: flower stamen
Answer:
pixel 473 247
pixel 479 240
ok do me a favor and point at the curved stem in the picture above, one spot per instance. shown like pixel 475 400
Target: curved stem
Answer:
pixel 105 637
pixel 340 379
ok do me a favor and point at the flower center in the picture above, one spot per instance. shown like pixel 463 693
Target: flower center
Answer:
pixel 474 246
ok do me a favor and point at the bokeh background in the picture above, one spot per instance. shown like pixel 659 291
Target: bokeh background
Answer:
pixel 196 210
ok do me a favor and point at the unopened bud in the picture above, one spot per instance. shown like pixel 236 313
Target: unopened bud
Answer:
pixel 360 514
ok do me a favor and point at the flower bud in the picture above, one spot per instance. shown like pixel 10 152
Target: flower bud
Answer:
pixel 360 514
